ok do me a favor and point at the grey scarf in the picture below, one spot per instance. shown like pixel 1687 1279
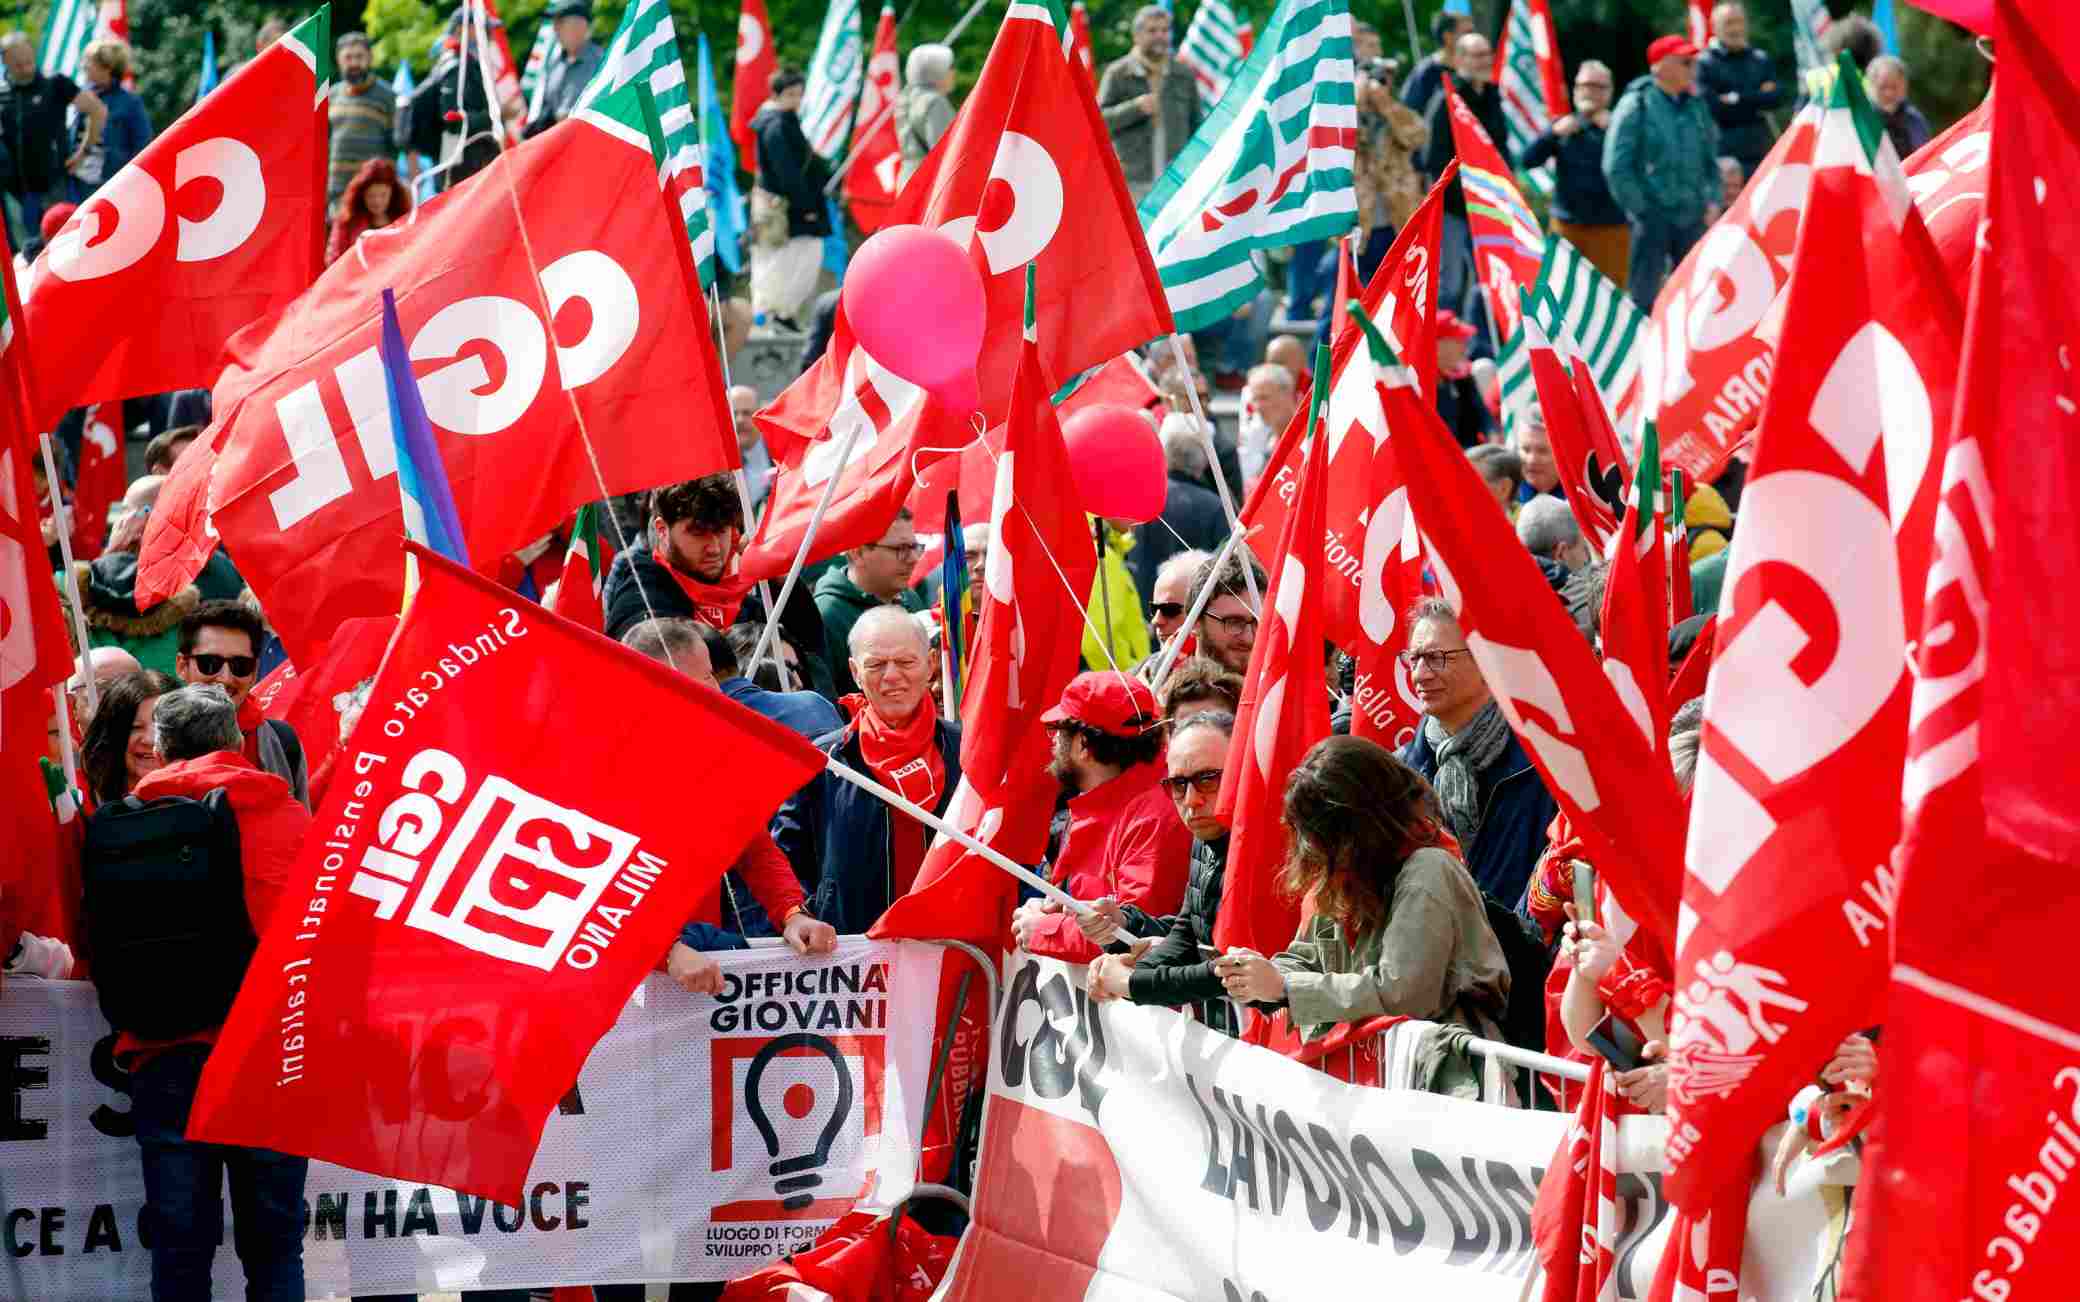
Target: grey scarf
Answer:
pixel 1460 758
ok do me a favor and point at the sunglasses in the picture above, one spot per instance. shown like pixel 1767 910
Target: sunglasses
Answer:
pixel 241 666
pixel 1206 782
pixel 1168 609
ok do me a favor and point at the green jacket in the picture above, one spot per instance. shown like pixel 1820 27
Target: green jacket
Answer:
pixel 841 602
pixel 1660 155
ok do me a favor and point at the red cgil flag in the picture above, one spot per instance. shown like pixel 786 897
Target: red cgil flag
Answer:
pixel 481 893
pixel 1284 712
pixel 1028 645
pixel 1026 174
pixel 1788 892
pixel 1591 755
pixel 870 184
pixel 219 222
pixel 548 330
pixel 756 63
pixel 1978 1015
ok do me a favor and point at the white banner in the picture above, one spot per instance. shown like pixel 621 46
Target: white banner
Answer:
pixel 706 1137
pixel 1131 1155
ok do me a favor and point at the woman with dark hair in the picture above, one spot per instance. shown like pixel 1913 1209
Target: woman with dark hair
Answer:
pixel 1392 922
pixel 373 199
pixel 117 750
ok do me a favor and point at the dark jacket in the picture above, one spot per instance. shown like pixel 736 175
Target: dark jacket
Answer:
pixel 836 835
pixel 1192 517
pixel 634 576
pixel 563 80
pixel 1516 808
pixel 1464 412
pixel 1580 195
pixel 787 167
pixel 1424 81
pixel 32 125
pixel 123 136
pixel 1907 127
pixel 1660 155
pixel 1744 133
pixel 1175 970
pixel 1486 104
pixel 804 712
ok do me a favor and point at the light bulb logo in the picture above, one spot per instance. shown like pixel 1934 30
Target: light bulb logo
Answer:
pixel 795 1176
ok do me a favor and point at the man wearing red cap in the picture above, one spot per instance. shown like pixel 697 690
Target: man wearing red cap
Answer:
pixel 1661 160
pixel 1124 841
pixel 1459 402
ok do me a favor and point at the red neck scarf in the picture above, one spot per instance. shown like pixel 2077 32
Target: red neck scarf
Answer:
pixel 904 758
pixel 714 604
pixel 250 717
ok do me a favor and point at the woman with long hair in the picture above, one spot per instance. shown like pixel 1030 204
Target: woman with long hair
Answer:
pixel 117 750
pixel 372 200
pixel 1391 920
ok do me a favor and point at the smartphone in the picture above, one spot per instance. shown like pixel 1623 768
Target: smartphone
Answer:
pixel 1584 892
pixel 1618 1045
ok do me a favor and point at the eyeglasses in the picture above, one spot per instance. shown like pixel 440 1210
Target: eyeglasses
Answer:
pixel 1168 609
pixel 241 666
pixel 1236 625
pixel 1206 782
pixel 1592 85
pixel 908 551
pixel 1434 661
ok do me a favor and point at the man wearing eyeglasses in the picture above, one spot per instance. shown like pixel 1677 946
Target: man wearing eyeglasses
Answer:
pixel 1584 214
pixel 1177 968
pixel 1227 628
pixel 219 642
pixel 877 574
pixel 1494 800
pixel 1124 841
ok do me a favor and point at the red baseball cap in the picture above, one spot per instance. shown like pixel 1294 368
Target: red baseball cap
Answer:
pixel 1667 45
pixel 1449 326
pixel 1107 700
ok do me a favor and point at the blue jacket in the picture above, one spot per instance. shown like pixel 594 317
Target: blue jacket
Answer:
pixel 803 712
pixel 125 134
pixel 836 835
pixel 1580 194
pixel 1516 809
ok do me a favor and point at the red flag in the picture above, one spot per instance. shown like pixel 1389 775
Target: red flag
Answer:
pixel 1284 712
pixel 1028 645
pixel 1372 561
pixel 217 223
pixel 892 425
pixel 103 477
pixel 531 379
pixel 312 699
pixel 856 1260
pixel 1588 750
pixel 1574 1223
pixel 1709 352
pixel 1978 1018
pixel 1635 605
pixel 1080 43
pixel 495 893
pixel 870 186
pixel 756 63
pixel 1507 244
pixel 1700 22
pixel 581 592
pixel 1788 901
pixel 1585 448
pixel 1026 174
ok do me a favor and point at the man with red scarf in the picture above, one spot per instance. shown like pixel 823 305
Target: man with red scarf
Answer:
pixel 1125 841
pixel 692 569
pixel 219 642
pixel 853 852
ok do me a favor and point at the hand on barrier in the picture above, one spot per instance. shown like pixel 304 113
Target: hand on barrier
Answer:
pixel 695 972
pixel 1250 977
pixel 1102 924
pixel 806 935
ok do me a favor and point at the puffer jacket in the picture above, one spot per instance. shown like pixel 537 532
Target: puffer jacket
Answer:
pixel 1660 156
pixel 1175 970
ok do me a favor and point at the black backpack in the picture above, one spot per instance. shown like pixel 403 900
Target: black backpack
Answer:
pixel 164 913
pixel 1530 962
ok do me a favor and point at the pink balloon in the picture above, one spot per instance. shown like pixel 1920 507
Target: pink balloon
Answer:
pixel 914 299
pixel 1117 462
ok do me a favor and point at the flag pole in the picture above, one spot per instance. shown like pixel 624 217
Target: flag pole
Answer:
pixel 1184 630
pixel 852 155
pixel 801 553
pixel 1070 904
pixel 63 519
pixel 1220 481
pixel 765 591
pixel 1415 42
